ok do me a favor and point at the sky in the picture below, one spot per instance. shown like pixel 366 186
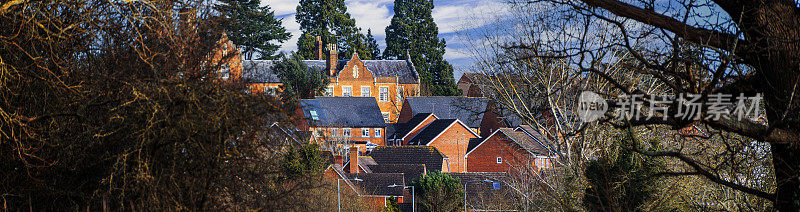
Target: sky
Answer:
pixel 455 19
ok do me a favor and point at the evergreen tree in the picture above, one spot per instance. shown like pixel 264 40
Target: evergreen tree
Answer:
pixel 330 20
pixel 372 46
pixel 298 81
pixel 412 29
pixel 439 192
pixel 254 29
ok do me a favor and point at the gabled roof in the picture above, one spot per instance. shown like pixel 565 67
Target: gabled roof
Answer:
pixel 467 109
pixel 434 129
pixel 473 142
pixel 521 138
pixel 411 172
pixel 260 71
pixel 402 129
pixel 342 112
pixel 377 184
pixel 431 157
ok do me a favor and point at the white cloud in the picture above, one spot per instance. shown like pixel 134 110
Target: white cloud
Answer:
pixel 468 15
pixel 282 7
pixel 371 14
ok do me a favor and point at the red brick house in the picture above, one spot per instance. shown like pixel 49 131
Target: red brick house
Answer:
pixel 508 150
pixel 476 113
pixel 450 136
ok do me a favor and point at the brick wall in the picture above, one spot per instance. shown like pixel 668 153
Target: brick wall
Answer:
pixel 484 157
pixel 453 143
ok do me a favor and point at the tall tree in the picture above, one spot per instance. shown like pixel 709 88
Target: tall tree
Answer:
pixel 413 31
pixel 297 80
pixel 330 20
pixel 372 46
pixel 254 29
pixel 440 192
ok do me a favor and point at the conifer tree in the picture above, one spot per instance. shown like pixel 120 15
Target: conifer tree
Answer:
pixel 412 30
pixel 372 46
pixel 254 29
pixel 330 20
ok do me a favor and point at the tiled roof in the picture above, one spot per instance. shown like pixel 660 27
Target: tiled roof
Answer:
pixel 377 184
pixel 411 172
pixel 431 131
pixel 342 112
pixel 427 155
pixel 401 129
pixel 260 71
pixel 403 69
pixel 473 142
pixel 536 134
pixel 467 109
pixel 483 195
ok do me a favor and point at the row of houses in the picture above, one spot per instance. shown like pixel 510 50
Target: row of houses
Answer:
pixel 379 130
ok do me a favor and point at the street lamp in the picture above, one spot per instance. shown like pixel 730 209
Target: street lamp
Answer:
pixel 338 192
pixel 413 206
pixel 465 191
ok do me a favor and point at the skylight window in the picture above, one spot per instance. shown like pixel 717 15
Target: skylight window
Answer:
pixel 314 115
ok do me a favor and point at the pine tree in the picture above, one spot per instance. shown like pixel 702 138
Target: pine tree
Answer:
pixel 412 30
pixel 372 46
pixel 252 28
pixel 330 20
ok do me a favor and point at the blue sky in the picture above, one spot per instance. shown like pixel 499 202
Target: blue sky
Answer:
pixel 455 18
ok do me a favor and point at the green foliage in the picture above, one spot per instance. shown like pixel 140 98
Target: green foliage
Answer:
pixel 372 46
pixel 303 160
pixel 391 206
pixel 254 29
pixel 330 20
pixel 298 80
pixel 439 192
pixel 412 29
pixel 621 180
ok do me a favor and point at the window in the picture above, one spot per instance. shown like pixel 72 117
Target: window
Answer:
pixel 385 117
pixel 355 71
pixel 499 160
pixel 334 132
pixel 346 132
pixel 314 115
pixel 365 91
pixel 329 91
pixel 365 133
pixel 347 91
pixel 318 133
pixel 377 132
pixel 225 72
pixel 383 94
pixel 271 90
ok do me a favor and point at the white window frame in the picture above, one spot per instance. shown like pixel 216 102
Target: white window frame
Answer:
pixel 225 72
pixel 346 132
pixel 377 132
pixel 329 91
pixel 383 94
pixel 365 132
pixel 334 132
pixel 368 93
pixel 499 160
pixel 271 90
pixel 385 116
pixel 345 88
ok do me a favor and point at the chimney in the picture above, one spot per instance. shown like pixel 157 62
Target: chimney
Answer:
pixel 320 49
pixel 353 159
pixel 333 58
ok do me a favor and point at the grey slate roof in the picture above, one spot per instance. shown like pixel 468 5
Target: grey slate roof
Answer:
pixel 352 112
pixel 377 184
pixel 411 172
pixel 260 71
pixel 428 155
pixel 401 129
pixel 467 109
pixel 431 131
pixel 473 142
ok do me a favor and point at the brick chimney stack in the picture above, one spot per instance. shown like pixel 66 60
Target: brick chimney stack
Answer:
pixel 320 49
pixel 353 159
pixel 333 59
